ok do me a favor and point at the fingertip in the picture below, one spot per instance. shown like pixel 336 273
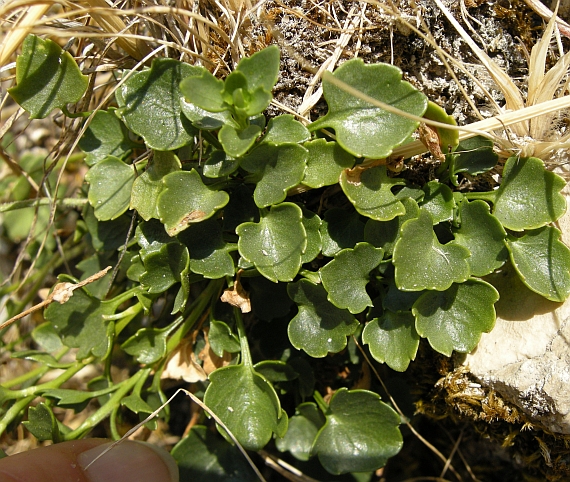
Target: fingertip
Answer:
pixel 129 461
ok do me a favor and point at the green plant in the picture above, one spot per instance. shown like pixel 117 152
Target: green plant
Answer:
pixel 313 232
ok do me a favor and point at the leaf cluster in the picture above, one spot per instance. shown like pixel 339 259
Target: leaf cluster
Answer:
pixel 309 228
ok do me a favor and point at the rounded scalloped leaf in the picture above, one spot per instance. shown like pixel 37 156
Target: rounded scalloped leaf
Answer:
pixel 360 433
pixel 370 191
pixel 48 78
pixel 105 136
pixel 247 404
pixel 186 200
pixel 529 195
pixel 165 267
pixel 454 319
pixel 203 119
pixel 303 427
pixel 438 201
pixel 320 327
pixel 276 244
pixel 361 128
pixel 278 168
pixel 203 95
pixel 148 186
pixel 542 262
pixel 392 339
pixel 284 129
pixel 149 104
pixel 346 276
pixel 261 69
pixel 110 183
pixel 483 235
pixel 219 164
pixel 421 262
pixel 209 253
pixel 236 142
pixel 82 322
pixel 325 163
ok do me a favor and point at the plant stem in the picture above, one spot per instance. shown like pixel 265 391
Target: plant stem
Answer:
pixel 37 373
pixel 321 402
pixel 55 383
pixel 195 311
pixel 14 411
pixel 489 196
pixel 244 345
pixel 111 404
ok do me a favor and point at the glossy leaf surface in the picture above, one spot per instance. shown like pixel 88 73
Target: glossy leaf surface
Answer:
pixel 392 339
pixel 110 182
pixel 529 196
pixel 285 129
pixel 370 191
pixel 384 234
pixel 148 186
pixel 246 402
pixel 422 262
pixel 454 319
pixel 483 235
pixel 361 128
pixel 438 201
pixel 209 253
pixel 80 323
pixel 360 433
pixel 186 200
pixel 236 142
pixel 278 168
pixel 346 276
pixel 276 244
pixel 302 430
pixel 149 104
pixel 325 162
pixel 319 327
pixel 543 262
pixel 48 78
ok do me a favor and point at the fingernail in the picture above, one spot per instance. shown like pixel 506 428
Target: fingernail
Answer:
pixel 129 461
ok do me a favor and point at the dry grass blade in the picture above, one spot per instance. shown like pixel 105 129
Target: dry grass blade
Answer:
pixel 20 29
pixel 136 48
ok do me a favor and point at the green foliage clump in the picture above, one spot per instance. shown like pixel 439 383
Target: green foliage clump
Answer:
pixel 311 231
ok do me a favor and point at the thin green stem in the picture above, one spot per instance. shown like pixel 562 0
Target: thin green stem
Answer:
pixel 321 402
pixel 489 196
pixel 108 408
pixel 195 310
pixel 55 383
pixel 244 345
pixel 14 411
pixel 35 374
